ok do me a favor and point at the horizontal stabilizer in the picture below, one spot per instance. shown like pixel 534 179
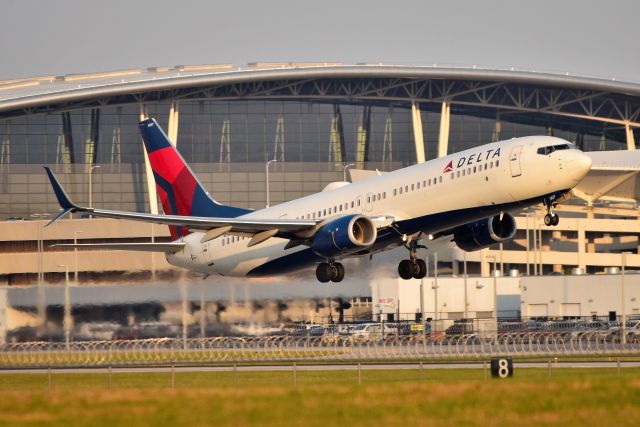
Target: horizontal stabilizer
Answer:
pixel 169 248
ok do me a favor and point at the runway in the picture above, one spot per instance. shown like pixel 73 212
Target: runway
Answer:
pixel 315 367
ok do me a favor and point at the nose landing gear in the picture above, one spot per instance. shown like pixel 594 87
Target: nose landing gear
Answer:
pixel 330 271
pixel 412 268
pixel 551 218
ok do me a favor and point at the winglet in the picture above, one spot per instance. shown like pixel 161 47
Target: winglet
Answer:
pixel 64 200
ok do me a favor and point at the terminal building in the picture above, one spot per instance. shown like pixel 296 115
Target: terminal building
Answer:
pixel 303 126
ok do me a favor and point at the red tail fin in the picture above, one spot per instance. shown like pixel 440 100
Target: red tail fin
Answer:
pixel 179 190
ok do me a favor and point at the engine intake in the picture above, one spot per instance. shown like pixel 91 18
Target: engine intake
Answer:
pixel 344 235
pixel 485 232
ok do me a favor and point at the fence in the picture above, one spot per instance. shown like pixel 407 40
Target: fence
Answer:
pixel 311 349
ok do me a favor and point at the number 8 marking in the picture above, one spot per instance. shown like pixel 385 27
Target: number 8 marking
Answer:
pixel 503 368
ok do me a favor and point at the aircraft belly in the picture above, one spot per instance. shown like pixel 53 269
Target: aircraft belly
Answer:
pixel 239 260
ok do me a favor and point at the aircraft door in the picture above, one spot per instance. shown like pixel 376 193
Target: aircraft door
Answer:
pixel 368 204
pixel 514 161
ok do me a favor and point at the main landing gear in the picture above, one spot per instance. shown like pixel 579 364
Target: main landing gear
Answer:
pixel 412 268
pixel 330 271
pixel 551 218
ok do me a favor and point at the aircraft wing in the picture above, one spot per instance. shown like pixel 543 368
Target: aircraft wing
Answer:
pixel 169 248
pixel 261 229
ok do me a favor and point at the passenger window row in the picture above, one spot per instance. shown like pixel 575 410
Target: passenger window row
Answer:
pixel 343 207
pixel 475 169
pixel 416 186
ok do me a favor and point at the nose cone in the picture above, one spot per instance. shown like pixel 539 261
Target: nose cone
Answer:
pixel 578 165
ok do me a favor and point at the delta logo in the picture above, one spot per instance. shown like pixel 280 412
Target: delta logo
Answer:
pixel 474 158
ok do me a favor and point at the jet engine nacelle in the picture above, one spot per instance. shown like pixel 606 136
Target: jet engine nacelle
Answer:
pixel 344 235
pixel 485 232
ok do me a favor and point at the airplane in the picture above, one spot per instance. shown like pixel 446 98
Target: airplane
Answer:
pixel 466 196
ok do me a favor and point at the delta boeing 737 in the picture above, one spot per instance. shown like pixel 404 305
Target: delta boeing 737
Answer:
pixel 465 196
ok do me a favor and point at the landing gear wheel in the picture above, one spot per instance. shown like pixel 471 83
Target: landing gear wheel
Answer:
pixel 551 219
pixel 406 269
pixel 337 272
pixel 323 272
pixel 419 269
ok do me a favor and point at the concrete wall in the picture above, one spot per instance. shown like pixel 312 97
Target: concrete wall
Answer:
pixel 537 296
pixel 589 295
pixel 447 297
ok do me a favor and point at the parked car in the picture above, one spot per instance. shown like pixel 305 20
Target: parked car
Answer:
pixel 95 331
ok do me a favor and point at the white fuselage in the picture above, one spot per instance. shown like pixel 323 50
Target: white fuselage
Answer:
pixel 499 173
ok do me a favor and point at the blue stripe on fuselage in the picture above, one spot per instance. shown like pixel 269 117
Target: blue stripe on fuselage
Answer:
pixel 389 238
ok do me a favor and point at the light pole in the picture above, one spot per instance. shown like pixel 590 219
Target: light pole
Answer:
pixel 344 171
pixel 75 255
pixel 623 338
pixel 435 287
pixel 66 321
pixel 267 177
pixel 495 287
pixel 90 189
pixel 464 263
pixel 42 300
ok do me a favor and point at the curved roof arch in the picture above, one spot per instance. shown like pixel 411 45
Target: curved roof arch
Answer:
pixel 565 96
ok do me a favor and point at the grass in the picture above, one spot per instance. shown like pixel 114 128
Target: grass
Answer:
pixel 392 398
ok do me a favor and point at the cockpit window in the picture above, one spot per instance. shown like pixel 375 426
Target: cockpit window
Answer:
pixel 551 148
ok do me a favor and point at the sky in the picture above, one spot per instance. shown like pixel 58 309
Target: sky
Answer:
pixel 587 37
